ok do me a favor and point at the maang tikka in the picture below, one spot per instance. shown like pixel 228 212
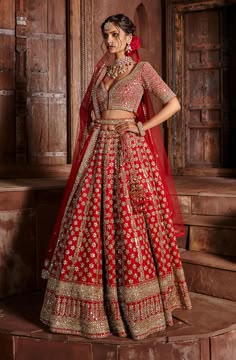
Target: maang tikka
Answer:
pixel 107 25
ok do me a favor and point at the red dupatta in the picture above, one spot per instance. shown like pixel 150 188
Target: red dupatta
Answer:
pixel 153 138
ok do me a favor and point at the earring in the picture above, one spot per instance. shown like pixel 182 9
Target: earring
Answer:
pixel 128 47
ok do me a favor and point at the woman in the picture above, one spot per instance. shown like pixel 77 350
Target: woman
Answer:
pixel 113 265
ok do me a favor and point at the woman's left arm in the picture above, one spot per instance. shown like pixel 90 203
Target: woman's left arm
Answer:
pixel 155 84
pixel 172 107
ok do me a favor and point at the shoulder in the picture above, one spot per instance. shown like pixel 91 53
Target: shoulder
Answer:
pixel 148 70
pixel 146 66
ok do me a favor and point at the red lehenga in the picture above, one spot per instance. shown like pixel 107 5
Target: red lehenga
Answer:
pixel 113 265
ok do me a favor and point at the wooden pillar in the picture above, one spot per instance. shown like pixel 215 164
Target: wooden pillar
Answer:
pixel 21 82
pixel 80 59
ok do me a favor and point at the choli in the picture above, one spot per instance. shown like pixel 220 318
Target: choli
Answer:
pixel 126 93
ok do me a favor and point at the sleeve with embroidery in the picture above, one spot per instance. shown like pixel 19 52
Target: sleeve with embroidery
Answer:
pixel 154 83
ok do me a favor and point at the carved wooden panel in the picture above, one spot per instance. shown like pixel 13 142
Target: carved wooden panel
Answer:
pixel 203 96
pixel 7 81
pixel 47 89
pixel 204 69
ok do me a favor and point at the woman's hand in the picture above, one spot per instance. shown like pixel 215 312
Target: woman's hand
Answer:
pixel 126 126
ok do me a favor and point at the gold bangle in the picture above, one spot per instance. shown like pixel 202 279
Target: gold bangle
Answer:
pixel 140 128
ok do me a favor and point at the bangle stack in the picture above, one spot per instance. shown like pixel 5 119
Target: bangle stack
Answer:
pixel 140 128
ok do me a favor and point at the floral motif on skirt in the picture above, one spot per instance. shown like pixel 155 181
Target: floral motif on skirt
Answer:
pixel 116 266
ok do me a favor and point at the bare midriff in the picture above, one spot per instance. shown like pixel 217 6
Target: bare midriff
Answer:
pixel 117 114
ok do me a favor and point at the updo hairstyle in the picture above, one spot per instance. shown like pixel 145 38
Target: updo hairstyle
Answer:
pixel 122 22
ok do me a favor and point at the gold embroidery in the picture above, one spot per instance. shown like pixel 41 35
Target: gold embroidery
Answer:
pixel 126 93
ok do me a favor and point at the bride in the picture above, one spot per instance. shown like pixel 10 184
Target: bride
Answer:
pixel 113 265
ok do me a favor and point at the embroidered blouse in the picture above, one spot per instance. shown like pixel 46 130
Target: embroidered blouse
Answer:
pixel 126 93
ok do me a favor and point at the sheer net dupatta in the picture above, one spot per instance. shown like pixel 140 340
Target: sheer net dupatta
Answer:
pixel 155 141
pixel 82 140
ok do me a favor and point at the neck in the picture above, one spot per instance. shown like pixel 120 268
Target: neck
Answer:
pixel 120 55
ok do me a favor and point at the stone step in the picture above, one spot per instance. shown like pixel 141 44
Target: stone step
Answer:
pixel 205 185
pixel 209 212
pixel 210 274
pixel 220 204
pixel 207 196
pixel 213 234
pixel 208 331
pixel 216 221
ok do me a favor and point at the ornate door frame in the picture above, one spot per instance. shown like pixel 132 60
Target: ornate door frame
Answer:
pixel 175 70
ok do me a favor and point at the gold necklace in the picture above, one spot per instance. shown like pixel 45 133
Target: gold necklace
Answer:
pixel 120 66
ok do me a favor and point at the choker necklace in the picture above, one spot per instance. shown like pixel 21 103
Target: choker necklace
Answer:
pixel 120 66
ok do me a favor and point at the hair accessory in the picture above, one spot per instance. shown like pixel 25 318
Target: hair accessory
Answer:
pixel 140 128
pixel 120 66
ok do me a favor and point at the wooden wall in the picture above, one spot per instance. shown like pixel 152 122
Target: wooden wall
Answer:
pixel 46 82
pixel 33 87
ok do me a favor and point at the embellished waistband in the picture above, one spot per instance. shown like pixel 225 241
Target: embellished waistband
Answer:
pixel 108 127
pixel 114 121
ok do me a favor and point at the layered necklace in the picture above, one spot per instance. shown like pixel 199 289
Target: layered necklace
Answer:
pixel 120 66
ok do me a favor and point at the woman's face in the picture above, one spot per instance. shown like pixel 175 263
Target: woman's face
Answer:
pixel 115 39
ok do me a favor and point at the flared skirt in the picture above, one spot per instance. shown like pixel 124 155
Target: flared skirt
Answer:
pixel 116 267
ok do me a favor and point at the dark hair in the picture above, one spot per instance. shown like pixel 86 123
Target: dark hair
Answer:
pixel 121 21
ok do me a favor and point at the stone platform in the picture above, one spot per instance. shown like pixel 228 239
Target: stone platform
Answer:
pixel 28 209
pixel 209 212
pixel 208 332
pixel 208 250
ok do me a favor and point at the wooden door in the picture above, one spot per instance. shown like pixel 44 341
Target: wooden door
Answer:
pixel 204 75
pixel 46 82
pixel 34 121
pixel 203 100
